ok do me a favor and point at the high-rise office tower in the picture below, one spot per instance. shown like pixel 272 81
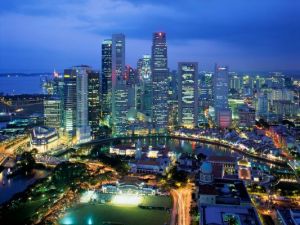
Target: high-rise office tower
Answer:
pixel 160 73
pixel 188 94
pixel 220 87
pixel 206 86
pixel 121 108
pixel 106 78
pixel 130 77
pixel 83 130
pixel 69 101
pixel 173 100
pixel 93 102
pixel 119 85
pixel 145 77
pixel 220 90
pixel 262 106
pixel 53 112
pixel 235 82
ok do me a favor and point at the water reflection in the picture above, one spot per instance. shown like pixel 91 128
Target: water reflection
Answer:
pixel 10 186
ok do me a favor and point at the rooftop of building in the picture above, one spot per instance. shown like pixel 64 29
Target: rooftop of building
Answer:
pixel 206 167
pixel 229 191
pixel 221 159
pixel 290 216
pixel 43 132
pixel 215 214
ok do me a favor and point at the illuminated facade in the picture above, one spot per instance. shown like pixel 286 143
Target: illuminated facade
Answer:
pixel 144 75
pixel 160 72
pixel 188 94
pixel 220 87
pixel 130 77
pixel 246 116
pixel 53 113
pixel 44 139
pixel 69 103
pixel 262 106
pixel 223 118
pixel 93 102
pixel 106 77
pixel 119 85
pixel 83 129
pixel 206 87
pixel 121 108
pixel 235 83
pixel 220 93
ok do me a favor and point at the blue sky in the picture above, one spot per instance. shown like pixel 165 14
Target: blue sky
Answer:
pixel 256 35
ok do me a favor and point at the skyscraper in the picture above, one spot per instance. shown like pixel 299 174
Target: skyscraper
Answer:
pixel 130 77
pixel 221 90
pixel 121 108
pixel 160 72
pixel 235 82
pixel 83 130
pixel 93 102
pixel 145 76
pixel 53 113
pixel 220 87
pixel 119 85
pixel 262 106
pixel 188 94
pixel 69 102
pixel 106 78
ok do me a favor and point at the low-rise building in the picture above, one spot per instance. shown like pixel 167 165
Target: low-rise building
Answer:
pixel 288 216
pixel 219 199
pixel 246 116
pixel 149 165
pixel 44 139
pixel 222 214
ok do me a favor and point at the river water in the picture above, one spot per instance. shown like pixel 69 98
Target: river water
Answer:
pixel 9 187
pixel 185 146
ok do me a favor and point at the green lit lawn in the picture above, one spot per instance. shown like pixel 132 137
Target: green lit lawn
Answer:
pixel 127 215
pixel 163 201
pixel 23 212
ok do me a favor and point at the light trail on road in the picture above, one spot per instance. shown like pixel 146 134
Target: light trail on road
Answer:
pixel 182 200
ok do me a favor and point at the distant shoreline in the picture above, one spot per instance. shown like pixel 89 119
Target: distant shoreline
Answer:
pixel 295 74
pixel 24 74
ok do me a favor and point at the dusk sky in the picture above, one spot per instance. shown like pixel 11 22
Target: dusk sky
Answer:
pixel 253 35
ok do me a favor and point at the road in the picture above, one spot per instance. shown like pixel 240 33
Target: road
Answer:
pixel 182 202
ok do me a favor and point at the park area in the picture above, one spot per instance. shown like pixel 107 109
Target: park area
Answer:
pixel 151 210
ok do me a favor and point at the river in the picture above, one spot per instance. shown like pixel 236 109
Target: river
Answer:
pixel 9 187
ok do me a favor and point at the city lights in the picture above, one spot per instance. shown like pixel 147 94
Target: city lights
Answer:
pixel 194 125
pixel 126 199
pixel 88 196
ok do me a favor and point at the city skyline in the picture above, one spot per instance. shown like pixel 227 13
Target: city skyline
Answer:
pixel 147 112
pixel 246 36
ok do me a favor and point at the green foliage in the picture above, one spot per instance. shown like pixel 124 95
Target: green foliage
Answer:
pixel 114 162
pixel 69 172
pixel 177 177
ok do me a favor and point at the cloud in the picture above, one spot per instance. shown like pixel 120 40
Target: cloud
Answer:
pixel 263 33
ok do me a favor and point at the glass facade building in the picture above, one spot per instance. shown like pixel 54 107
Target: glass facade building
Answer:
pixel 83 130
pixel 188 94
pixel 119 85
pixel 160 73
pixel 94 102
pixel 69 103
pixel 106 77
pixel 145 77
